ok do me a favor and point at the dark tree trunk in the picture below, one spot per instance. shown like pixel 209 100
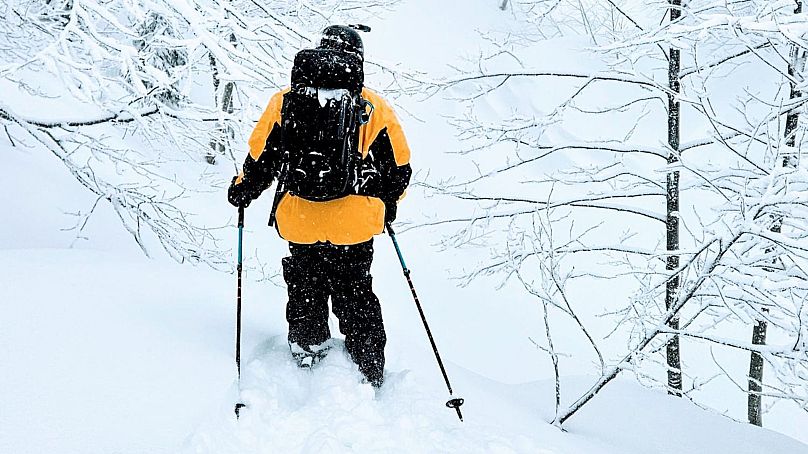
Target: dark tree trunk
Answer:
pixel 224 131
pixel 755 412
pixel 790 159
pixel 672 231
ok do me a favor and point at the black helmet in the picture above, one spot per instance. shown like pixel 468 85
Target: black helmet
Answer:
pixel 341 37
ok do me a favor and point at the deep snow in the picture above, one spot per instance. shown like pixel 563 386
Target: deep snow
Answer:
pixel 134 355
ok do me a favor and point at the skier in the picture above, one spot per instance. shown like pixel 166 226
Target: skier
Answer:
pixel 330 231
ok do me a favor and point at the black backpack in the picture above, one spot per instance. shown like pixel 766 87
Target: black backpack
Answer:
pixel 320 121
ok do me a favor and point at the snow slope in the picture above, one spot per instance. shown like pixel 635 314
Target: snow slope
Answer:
pixel 134 356
pixel 105 351
pixel 325 410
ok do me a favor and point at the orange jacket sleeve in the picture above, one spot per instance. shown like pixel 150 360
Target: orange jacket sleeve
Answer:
pixel 384 117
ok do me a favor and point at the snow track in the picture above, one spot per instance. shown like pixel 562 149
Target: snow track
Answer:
pixel 101 363
pixel 327 409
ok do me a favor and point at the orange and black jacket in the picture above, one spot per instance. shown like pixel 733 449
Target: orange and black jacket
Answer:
pixel 353 219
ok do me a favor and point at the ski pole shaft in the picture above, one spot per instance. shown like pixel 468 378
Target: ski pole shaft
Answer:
pixel 239 405
pixel 238 288
pixel 454 402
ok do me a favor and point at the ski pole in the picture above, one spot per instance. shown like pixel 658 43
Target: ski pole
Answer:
pixel 239 404
pixel 454 402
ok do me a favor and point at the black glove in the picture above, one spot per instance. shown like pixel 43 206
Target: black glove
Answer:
pixel 238 195
pixel 390 208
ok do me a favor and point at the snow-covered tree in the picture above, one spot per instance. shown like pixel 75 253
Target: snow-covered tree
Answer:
pixel 673 117
pixel 129 87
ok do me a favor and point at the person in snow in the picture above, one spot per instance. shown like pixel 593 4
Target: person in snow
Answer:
pixel 331 242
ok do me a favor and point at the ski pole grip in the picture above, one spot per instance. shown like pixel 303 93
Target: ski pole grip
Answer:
pixel 241 217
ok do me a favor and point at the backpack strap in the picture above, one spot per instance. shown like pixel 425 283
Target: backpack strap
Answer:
pixel 283 176
pixel 279 193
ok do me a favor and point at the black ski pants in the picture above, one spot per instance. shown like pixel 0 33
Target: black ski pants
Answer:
pixel 315 272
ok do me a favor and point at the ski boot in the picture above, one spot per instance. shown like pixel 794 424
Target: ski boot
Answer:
pixel 308 356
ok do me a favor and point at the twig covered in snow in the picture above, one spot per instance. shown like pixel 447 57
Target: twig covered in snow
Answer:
pixel 134 88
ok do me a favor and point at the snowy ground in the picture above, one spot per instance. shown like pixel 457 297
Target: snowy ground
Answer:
pixel 132 356
pixel 105 351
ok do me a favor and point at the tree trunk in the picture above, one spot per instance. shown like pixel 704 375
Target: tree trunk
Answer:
pixel 224 131
pixel 790 160
pixel 756 376
pixel 672 221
